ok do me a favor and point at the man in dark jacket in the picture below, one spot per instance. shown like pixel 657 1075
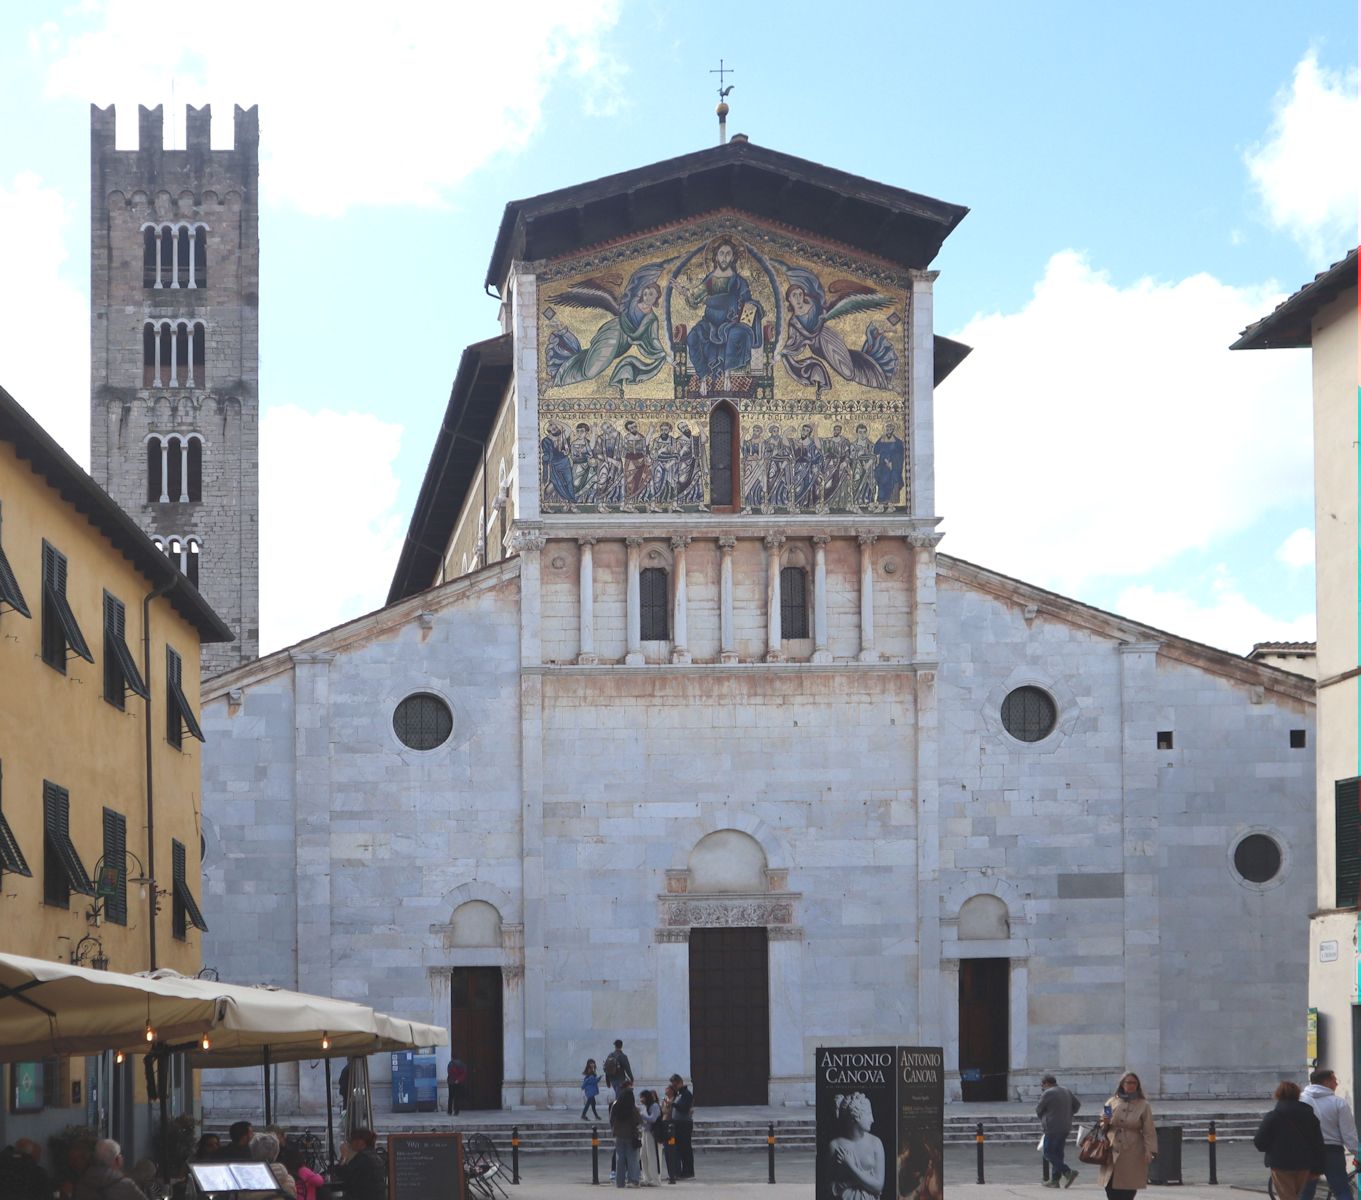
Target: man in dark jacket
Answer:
pixel 1055 1111
pixel 683 1125
pixel 361 1169
pixel 21 1176
pixel 237 1148
pixel 618 1072
pixel 1292 1140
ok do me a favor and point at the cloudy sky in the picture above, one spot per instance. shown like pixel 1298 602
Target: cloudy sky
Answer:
pixel 1144 180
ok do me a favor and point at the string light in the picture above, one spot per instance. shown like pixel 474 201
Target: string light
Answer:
pixel 325 1041
pixel 150 1033
pixel 206 1044
pixel 118 1058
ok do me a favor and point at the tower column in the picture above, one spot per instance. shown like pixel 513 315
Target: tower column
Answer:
pixel 156 232
pixel 634 607
pixel 680 633
pixel 587 601
pixel 192 283
pixel 174 356
pixel 820 651
pixel 165 471
pixel 174 257
pixel 867 651
pixel 773 543
pixel 157 342
pixel 726 641
pixel 184 470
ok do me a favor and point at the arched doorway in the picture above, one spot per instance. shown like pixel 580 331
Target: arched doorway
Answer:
pixel 984 1002
pixel 476 1019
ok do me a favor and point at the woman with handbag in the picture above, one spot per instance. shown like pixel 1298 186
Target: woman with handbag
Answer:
pixel 1292 1140
pixel 1126 1128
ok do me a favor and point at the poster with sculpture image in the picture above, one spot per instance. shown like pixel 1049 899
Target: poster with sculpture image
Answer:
pixel 856 1094
pixel 804 347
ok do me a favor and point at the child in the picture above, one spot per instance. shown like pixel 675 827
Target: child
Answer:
pixel 590 1087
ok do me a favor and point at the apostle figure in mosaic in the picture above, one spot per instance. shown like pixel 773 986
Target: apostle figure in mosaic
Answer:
pixel 579 450
pixel 665 451
pixel 690 470
pixel 888 466
pixel 779 469
pixel 836 470
pixel 721 341
pixel 753 470
pixel 609 465
pixel 630 339
pixel 862 468
pixel 637 464
pixel 557 466
pixel 807 458
pixel 809 333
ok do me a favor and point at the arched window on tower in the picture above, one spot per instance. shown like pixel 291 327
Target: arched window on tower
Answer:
pixel 175 255
pixel 154 479
pixel 182 257
pixel 793 602
pixel 192 554
pixel 150 236
pixel 174 468
pixel 174 481
pixel 723 447
pixel 194 470
pixel 654 608
pixel 174 354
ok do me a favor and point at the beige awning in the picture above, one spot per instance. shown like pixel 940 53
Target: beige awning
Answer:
pixel 49 1008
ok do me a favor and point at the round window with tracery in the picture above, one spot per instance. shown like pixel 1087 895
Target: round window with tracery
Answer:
pixel 1029 714
pixel 423 721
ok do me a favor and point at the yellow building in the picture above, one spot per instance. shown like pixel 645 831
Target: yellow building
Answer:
pixel 1322 315
pixel 100 845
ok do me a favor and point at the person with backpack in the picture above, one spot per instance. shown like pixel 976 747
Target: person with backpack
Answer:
pixel 618 1072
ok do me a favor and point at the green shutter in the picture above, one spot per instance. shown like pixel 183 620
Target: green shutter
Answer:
pixel 1347 815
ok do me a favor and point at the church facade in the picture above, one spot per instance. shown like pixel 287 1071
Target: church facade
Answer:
pixel 679 728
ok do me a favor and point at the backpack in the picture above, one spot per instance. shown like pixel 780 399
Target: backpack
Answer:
pixel 614 1066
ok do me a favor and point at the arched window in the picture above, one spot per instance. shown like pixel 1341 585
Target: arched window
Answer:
pixel 194 471
pixel 192 554
pixel 154 480
pixel 723 457
pixel 174 354
pixel 175 256
pixel 174 468
pixel 174 482
pixel 654 608
pixel 793 602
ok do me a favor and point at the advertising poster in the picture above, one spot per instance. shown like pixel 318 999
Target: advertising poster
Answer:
pixel 857 1120
pixel 920 1167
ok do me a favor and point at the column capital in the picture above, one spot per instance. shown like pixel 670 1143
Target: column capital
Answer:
pixel 726 542
pixel 774 541
pixel 527 540
pixel 867 539
pixel 586 541
pixel 679 542
pixel 633 543
pixel 821 539
pixel 925 540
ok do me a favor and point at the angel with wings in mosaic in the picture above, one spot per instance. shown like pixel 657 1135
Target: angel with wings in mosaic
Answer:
pixel 812 308
pixel 630 339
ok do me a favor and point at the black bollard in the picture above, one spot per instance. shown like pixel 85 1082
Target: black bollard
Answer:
pixel 515 1155
pixel 1214 1166
pixel 978 1137
pixel 770 1151
pixel 595 1154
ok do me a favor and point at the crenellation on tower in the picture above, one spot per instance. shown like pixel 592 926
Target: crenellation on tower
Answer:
pixel 174 365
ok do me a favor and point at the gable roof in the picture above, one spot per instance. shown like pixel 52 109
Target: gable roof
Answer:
pixel 484 373
pixel 887 222
pixel 32 442
pixel 1290 324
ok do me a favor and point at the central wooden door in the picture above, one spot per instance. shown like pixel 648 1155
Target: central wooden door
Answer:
pixel 475 1029
pixel 729 1016
pixel 984 1029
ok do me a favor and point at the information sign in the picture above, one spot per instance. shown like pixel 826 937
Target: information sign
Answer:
pixel 426 1166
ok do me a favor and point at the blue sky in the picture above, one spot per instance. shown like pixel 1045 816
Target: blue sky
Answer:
pixel 1144 180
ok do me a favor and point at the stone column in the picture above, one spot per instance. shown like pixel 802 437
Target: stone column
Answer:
pixel 193 230
pixel 634 615
pixel 174 257
pixel 680 633
pixel 726 634
pixel 787 1064
pixel 673 1000
pixel 923 554
pixel 587 654
pixel 157 231
pixel 165 467
pixel 184 470
pixel 773 543
pixel 867 651
pixel 821 653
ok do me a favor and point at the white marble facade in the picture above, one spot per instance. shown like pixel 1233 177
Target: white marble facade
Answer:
pixel 854 792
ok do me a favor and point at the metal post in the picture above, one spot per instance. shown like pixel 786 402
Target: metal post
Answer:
pixel 1214 1171
pixel 269 1108
pixel 595 1154
pixel 330 1126
pixel 978 1137
pixel 770 1151
pixel 515 1155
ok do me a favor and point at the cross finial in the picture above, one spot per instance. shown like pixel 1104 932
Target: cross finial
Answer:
pixel 721 71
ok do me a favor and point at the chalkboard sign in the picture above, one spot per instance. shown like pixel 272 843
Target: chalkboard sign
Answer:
pixel 425 1166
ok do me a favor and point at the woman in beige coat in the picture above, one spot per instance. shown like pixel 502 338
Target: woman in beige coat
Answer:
pixel 1129 1129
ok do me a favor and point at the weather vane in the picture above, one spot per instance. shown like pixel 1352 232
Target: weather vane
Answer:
pixel 721 71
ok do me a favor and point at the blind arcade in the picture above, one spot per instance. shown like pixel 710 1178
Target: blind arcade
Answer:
pixel 880 1122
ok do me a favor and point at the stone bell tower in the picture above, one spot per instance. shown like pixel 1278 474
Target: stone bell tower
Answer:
pixel 174 352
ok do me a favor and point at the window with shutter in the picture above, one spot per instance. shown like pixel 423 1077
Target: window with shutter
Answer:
pixel 10 593
pixel 11 857
pixel 63 872
pixel 185 910
pixel 654 597
pixel 61 633
pixel 121 675
pixel 179 717
pixel 115 855
pixel 1347 823
pixel 793 602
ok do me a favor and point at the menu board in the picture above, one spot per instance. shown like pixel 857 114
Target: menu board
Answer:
pixel 425 1166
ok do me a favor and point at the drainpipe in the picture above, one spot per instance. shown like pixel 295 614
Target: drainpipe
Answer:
pixel 150 789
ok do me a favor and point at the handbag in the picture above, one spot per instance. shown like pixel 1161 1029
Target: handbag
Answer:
pixel 1094 1148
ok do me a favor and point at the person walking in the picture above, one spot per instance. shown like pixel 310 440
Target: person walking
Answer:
pixel 1339 1132
pixel 458 1076
pixel 590 1088
pixel 1292 1141
pixel 1055 1111
pixel 683 1124
pixel 1127 1123
pixel 651 1111
pixel 618 1072
pixel 626 1124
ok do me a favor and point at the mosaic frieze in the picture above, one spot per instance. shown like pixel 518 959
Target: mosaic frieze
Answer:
pixel 805 348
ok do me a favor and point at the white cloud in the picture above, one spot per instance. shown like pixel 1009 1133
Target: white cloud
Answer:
pixel 45 353
pixel 1307 170
pixel 1227 620
pixel 330 531
pixel 1297 550
pixel 1102 430
pixel 360 104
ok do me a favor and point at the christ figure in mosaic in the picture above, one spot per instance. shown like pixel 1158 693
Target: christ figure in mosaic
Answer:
pixel 721 341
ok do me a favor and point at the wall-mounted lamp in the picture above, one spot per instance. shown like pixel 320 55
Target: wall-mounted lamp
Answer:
pixel 89 952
